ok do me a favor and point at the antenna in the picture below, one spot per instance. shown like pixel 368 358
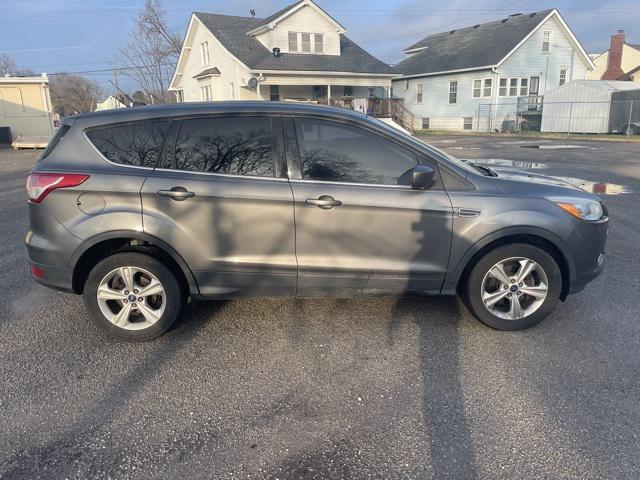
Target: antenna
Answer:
pixel 252 12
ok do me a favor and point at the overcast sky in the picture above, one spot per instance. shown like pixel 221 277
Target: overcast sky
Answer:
pixel 75 35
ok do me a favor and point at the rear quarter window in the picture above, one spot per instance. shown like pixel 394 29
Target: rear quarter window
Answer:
pixel 134 144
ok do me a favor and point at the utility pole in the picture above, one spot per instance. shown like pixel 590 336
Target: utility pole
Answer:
pixel 115 78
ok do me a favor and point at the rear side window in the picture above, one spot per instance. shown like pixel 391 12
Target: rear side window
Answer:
pixel 135 144
pixel 53 143
pixel 228 145
pixel 336 152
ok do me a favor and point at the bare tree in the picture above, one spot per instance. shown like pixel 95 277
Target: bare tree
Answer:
pixel 151 52
pixel 73 94
pixel 7 64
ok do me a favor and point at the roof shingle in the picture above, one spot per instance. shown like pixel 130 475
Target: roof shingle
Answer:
pixel 471 47
pixel 232 33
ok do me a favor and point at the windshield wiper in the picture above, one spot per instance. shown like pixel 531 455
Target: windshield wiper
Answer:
pixel 481 168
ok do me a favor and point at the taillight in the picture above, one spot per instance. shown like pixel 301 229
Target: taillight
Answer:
pixel 40 184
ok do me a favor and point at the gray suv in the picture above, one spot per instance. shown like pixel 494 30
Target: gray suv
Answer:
pixel 140 209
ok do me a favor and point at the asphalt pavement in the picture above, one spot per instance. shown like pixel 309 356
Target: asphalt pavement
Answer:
pixel 363 388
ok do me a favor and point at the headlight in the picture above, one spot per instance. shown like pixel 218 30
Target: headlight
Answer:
pixel 580 207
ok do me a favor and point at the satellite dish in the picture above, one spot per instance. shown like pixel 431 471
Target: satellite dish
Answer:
pixel 253 83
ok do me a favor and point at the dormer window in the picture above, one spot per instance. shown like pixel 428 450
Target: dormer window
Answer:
pixel 306 42
pixel 293 42
pixel 318 43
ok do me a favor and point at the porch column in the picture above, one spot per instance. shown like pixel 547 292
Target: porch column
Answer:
pixel 328 94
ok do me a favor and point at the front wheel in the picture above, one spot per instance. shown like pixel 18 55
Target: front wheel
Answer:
pixel 133 296
pixel 514 287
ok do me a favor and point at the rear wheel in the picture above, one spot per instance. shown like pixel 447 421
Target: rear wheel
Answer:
pixel 133 296
pixel 514 287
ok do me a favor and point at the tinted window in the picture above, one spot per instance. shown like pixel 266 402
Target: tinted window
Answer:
pixel 338 152
pixel 137 144
pixel 231 145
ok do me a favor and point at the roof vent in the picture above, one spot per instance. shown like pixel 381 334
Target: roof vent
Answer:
pixel 276 52
pixel 515 14
pixel 505 20
pixel 531 15
pixel 476 26
pixel 452 31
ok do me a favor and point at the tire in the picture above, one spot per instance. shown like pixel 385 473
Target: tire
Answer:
pixel 162 298
pixel 482 286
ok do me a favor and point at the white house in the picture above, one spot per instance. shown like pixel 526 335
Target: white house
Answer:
pixel 111 103
pixel 477 77
pixel 298 53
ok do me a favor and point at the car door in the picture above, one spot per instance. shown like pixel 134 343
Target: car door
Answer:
pixel 218 198
pixel 360 227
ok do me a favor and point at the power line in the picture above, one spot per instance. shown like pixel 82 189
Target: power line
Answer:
pixel 46 49
pixel 111 70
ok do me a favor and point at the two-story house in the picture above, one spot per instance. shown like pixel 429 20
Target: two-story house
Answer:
pixel 620 62
pixel 478 77
pixel 298 53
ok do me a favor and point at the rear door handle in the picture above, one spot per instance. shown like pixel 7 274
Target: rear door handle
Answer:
pixel 325 202
pixel 176 193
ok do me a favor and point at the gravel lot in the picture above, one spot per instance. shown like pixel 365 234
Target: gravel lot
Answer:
pixel 376 388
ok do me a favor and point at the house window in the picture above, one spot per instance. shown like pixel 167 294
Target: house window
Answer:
pixel 524 87
pixel 513 87
pixel 467 123
pixel 348 91
pixel 306 42
pixel 205 93
pixel 502 90
pixel 372 92
pixel 204 53
pixel 293 42
pixel 546 41
pixel 453 92
pixel 179 96
pixel 425 123
pixel 486 89
pixel 418 93
pixel 477 88
pixel 274 93
pixel 317 92
pixel 563 76
pixel 318 43
pixel 406 84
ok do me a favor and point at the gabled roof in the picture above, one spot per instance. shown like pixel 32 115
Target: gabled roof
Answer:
pixel 480 46
pixel 288 10
pixel 207 72
pixel 232 31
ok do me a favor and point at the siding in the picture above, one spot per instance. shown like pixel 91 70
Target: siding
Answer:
pixel 630 60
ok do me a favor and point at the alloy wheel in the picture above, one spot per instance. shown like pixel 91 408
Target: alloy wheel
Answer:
pixel 514 288
pixel 131 298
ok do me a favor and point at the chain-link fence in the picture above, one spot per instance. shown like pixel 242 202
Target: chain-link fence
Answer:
pixel 620 117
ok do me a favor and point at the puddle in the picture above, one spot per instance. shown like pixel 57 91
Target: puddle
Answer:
pixel 599 188
pixel 558 147
pixel 503 162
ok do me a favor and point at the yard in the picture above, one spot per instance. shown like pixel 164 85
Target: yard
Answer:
pixel 380 388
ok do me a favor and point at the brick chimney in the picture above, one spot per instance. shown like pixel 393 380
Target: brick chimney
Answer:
pixel 614 60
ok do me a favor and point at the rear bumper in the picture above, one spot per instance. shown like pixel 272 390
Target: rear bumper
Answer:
pixel 587 243
pixel 58 278
pixel 42 253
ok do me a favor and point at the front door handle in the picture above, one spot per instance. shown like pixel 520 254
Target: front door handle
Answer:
pixel 176 193
pixel 325 202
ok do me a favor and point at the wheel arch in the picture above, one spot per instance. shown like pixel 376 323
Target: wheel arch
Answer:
pixel 101 246
pixel 543 239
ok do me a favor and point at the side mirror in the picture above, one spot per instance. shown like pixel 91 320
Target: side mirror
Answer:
pixel 422 177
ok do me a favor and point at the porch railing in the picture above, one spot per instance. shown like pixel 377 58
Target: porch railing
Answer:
pixel 377 107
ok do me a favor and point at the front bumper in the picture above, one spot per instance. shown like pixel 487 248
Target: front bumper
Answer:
pixel 587 244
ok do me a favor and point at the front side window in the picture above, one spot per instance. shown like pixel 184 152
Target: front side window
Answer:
pixel 563 76
pixel 336 152
pixel 136 144
pixel 486 88
pixel 453 92
pixel 318 43
pixel 306 42
pixel 293 42
pixel 502 87
pixel 204 53
pixel 546 41
pixel 228 145
pixel 477 88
